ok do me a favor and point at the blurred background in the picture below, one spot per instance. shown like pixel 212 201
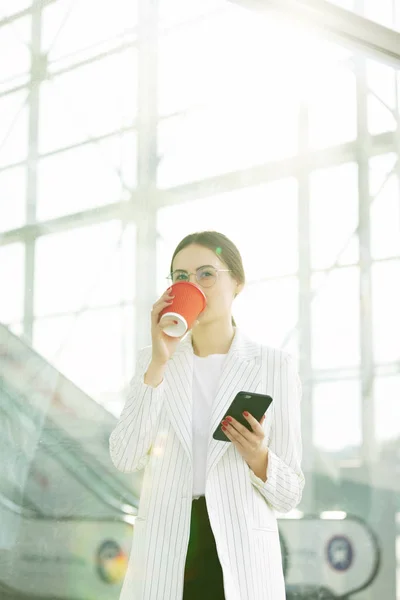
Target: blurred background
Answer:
pixel 126 125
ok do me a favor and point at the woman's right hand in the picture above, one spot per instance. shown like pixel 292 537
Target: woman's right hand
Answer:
pixel 163 345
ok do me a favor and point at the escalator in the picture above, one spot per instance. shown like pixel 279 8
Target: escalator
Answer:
pixel 66 513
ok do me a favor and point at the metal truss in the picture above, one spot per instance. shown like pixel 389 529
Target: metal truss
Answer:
pixel 338 24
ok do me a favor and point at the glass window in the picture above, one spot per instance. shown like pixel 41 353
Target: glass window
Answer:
pixel 348 4
pixel 381 80
pixel 387 408
pixel 69 26
pixel 385 311
pixel 335 318
pixel 333 214
pixel 332 433
pixel 91 266
pixel 173 11
pixel 93 349
pixel 14 40
pixel 90 101
pixel 261 221
pixel 13 128
pixel 12 198
pixel 12 261
pixel 268 312
pixel 226 75
pixel 85 177
pixel 232 119
pixel 381 12
pixel 11 7
pixel 385 208
pixel 205 143
pixel 332 107
pixel 17 328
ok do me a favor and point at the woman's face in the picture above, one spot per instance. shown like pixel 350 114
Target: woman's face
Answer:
pixel 219 296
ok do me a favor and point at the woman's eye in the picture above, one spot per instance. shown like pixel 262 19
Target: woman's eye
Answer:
pixel 180 277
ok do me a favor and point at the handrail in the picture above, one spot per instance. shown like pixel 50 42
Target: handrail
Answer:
pixel 107 498
pixel 27 513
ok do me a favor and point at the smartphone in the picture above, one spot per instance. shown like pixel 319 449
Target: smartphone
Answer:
pixel 256 404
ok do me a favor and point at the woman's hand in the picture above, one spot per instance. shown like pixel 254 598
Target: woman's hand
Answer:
pixel 163 345
pixel 250 444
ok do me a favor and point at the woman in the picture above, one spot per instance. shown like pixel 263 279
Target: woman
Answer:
pixel 206 526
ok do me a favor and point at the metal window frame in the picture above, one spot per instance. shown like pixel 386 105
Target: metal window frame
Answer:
pixel 335 23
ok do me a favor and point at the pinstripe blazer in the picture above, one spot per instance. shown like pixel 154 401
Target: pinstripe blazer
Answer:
pixel 154 433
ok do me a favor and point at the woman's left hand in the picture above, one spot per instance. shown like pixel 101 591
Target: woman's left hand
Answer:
pixel 250 444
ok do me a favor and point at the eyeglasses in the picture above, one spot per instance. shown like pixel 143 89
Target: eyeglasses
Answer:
pixel 205 276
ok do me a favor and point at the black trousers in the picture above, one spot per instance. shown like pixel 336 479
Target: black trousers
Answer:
pixel 203 572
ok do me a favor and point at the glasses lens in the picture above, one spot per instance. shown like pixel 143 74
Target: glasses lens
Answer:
pixel 206 276
pixel 179 276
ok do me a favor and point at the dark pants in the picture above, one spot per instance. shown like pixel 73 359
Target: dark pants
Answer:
pixel 203 572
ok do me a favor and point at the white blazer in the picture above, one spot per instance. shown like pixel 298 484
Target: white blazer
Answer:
pixel 154 432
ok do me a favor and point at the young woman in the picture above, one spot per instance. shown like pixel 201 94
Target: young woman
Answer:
pixel 206 526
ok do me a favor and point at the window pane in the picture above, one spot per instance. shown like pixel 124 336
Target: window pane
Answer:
pixel 11 7
pixel 12 261
pixel 268 246
pixel 385 311
pixel 86 177
pixel 268 312
pixel 84 267
pixel 193 78
pixel 382 11
pixel 90 101
pixel 70 26
pixel 17 328
pixel 205 143
pixel 332 432
pixel 14 40
pixel 332 107
pixel 174 11
pixel 335 319
pixel 91 350
pixel 381 80
pixel 348 4
pixel 12 198
pixel 13 128
pixel 334 214
pixel 385 209
pixel 387 408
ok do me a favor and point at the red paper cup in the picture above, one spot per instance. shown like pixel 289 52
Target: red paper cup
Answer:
pixel 188 303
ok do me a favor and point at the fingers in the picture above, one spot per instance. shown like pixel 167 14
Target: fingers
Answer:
pixel 165 300
pixel 255 425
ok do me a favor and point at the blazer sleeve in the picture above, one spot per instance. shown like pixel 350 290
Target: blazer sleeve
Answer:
pixel 134 433
pixel 285 480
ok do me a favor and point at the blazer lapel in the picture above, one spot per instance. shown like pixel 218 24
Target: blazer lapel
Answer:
pixel 178 392
pixel 241 371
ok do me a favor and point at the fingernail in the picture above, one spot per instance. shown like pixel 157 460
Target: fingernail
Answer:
pixel 246 414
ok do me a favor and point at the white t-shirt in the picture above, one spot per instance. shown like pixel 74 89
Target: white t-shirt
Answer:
pixel 206 375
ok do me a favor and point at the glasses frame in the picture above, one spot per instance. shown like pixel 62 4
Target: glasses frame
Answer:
pixel 170 276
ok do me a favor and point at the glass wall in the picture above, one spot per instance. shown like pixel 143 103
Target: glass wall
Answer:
pixel 286 143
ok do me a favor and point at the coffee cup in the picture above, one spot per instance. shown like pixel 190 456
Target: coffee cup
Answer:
pixel 187 305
